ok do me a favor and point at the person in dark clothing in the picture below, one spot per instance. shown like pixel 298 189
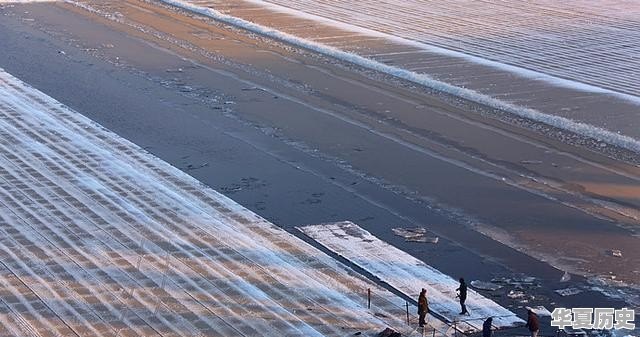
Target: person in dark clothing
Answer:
pixel 532 323
pixel 486 327
pixel 463 296
pixel 423 306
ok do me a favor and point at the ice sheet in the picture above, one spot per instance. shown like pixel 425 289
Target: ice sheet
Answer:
pixel 100 238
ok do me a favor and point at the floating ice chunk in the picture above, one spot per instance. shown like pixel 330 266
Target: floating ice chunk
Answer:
pixel 540 310
pixel 571 332
pixel 425 239
pixel 516 294
pixel 568 291
pixel 417 234
pixel 616 252
pixel 518 281
pixel 485 285
pixel 409 232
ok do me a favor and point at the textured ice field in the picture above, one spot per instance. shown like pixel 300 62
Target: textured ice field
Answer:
pixel 100 238
pixel 571 66
pixel 593 42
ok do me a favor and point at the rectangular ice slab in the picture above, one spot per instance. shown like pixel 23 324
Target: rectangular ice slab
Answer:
pixel 100 238
pixel 408 275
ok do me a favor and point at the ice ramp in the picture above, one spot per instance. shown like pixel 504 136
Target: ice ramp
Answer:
pixel 408 275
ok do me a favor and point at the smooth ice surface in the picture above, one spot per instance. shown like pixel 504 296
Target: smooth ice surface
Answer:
pixel 408 275
pixel 100 238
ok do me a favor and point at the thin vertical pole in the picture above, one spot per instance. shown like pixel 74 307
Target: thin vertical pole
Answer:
pixel 455 331
pixel 369 298
pixel 407 305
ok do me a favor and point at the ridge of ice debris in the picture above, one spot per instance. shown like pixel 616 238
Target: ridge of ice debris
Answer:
pixel 583 129
pixel 514 69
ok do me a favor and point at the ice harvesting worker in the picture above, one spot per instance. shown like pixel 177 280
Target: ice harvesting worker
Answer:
pixel 486 327
pixel 463 296
pixel 532 323
pixel 423 306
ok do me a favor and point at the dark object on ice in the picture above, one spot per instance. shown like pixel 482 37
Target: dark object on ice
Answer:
pixel 463 296
pixel 388 332
pixel 357 333
pixel 532 323
pixel 486 327
pixel 423 306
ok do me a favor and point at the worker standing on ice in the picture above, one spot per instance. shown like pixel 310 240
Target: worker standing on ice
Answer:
pixel 423 306
pixel 532 323
pixel 486 327
pixel 463 296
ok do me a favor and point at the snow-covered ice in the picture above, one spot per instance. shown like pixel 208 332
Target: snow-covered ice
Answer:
pixel 100 238
pixel 408 275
